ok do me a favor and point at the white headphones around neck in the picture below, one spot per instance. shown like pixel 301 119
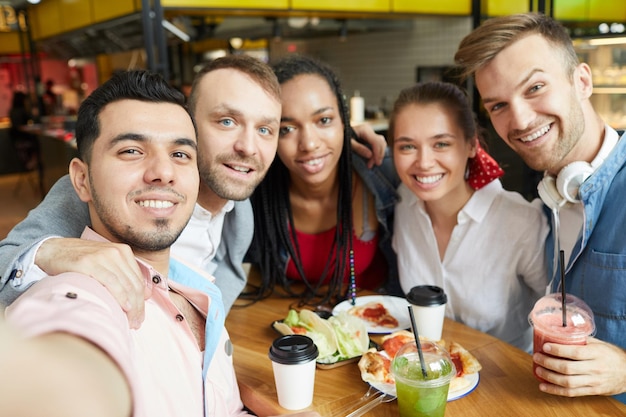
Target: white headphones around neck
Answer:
pixel 556 192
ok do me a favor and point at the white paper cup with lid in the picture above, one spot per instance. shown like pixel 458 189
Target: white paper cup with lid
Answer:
pixel 293 361
pixel 429 308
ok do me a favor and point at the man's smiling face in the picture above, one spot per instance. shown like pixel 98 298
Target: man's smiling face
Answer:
pixel 534 104
pixel 142 181
pixel 238 123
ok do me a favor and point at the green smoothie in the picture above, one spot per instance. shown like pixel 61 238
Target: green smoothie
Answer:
pixel 419 396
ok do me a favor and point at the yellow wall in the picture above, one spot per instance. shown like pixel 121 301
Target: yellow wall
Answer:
pixel 9 43
pixel 367 6
pixel 228 4
pixel 591 10
pixel 612 11
pixel 493 8
pixel 453 7
pixel 52 17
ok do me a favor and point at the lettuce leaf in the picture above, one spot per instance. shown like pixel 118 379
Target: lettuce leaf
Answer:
pixel 352 337
pixel 338 338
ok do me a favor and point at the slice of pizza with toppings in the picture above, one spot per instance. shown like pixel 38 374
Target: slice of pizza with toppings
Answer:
pixel 376 313
pixel 464 361
pixel 392 343
pixel 374 365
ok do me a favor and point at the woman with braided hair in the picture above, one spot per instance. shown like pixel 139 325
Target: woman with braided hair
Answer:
pixel 322 217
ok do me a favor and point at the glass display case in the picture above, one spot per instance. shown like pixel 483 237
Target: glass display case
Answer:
pixel 607 58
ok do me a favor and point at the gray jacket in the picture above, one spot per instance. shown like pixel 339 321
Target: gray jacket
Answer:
pixel 63 214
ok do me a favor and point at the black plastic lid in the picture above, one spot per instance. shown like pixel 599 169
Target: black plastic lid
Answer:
pixel 426 295
pixel 293 349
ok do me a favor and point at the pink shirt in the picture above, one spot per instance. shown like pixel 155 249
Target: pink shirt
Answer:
pixel 161 360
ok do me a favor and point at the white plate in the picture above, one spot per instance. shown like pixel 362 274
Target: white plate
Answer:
pixel 397 307
pixel 452 395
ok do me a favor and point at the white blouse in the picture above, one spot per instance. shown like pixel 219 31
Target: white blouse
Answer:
pixel 494 268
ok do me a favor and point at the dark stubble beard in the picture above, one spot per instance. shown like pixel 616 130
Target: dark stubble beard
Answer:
pixel 572 127
pixel 157 239
pixel 226 187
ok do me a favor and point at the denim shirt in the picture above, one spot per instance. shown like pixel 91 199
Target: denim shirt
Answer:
pixel 597 268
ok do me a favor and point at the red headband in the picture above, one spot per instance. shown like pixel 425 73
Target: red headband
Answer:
pixel 482 169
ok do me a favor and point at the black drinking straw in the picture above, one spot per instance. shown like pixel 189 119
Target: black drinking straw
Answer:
pixel 562 264
pixel 417 342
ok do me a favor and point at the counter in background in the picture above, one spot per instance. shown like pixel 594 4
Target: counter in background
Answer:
pixel 57 146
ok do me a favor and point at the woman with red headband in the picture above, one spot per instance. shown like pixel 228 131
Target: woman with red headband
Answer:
pixel 456 227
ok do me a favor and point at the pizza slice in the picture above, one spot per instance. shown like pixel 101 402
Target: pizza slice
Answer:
pixel 374 365
pixel 392 343
pixel 376 313
pixel 464 361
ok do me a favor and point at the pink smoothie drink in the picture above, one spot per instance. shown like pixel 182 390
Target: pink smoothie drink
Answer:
pixel 547 321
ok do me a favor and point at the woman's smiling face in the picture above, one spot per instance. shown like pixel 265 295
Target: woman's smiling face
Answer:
pixel 311 130
pixel 430 151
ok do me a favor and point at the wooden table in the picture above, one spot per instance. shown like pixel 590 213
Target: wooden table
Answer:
pixel 507 386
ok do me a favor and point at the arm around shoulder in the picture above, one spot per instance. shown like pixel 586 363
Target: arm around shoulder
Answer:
pixel 61 213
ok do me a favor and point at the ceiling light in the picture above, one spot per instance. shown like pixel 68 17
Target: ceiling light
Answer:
pixel 297 22
pixel 607 41
pixel 236 43
pixel 175 30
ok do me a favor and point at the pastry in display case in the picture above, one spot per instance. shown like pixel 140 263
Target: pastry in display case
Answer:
pixel 607 58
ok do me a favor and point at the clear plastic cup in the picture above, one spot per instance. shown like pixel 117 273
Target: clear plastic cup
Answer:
pixel 419 396
pixel 547 321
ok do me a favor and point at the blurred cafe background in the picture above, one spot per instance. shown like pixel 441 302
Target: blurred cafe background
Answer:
pixel 53 53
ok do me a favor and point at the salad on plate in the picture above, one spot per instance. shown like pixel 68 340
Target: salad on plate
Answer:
pixel 337 338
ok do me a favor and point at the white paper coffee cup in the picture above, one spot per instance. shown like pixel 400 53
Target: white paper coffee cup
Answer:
pixel 429 308
pixel 293 362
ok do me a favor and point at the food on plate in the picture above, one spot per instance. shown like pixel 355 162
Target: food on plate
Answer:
pixel 374 365
pixel 376 313
pixel 465 362
pixel 338 338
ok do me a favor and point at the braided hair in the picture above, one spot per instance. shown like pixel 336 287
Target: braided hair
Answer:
pixel 274 231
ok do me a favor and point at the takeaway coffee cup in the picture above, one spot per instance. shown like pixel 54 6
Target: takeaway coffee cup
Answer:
pixel 429 308
pixel 293 361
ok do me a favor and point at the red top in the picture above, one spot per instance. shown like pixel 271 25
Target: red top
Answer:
pixel 370 265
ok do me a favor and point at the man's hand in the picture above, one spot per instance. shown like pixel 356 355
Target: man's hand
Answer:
pixel 597 368
pixel 377 144
pixel 111 264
